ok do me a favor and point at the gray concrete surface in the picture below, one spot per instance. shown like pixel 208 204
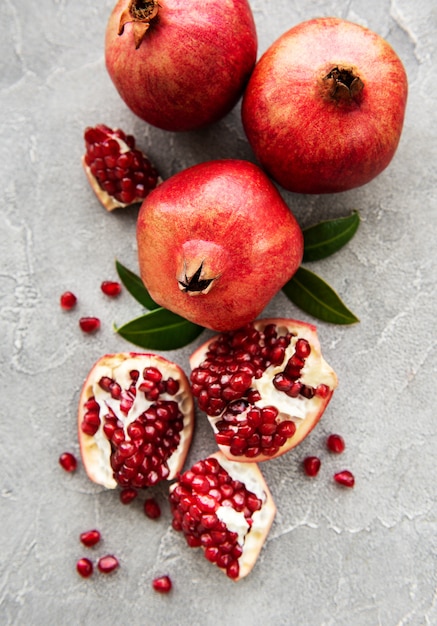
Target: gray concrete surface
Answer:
pixel 363 557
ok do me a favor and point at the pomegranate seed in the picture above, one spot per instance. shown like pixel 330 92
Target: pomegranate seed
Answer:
pixel 68 461
pixel 84 567
pixel 89 324
pixel 302 348
pixel 107 564
pixel 110 288
pixel 345 478
pixel 90 538
pixel 335 443
pixel 311 465
pixel 127 495
pixel 162 584
pixel 152 508
pixel 68 300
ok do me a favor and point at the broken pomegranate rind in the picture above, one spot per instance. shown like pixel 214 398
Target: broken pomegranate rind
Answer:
pixel 135 421
pixel 231 522
pixel 263 387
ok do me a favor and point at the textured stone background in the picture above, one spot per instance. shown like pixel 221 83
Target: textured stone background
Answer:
pixel 361 557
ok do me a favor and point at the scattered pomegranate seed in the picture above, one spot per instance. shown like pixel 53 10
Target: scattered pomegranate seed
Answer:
pixel 84 567
pixel 107 564
pixel 311 465
pixel 345 478
pixel 89 324
pixel 162 584
pixel 68 461
pixel 127 495
pixel 335 443
pixel 152 509
pixel 110 288
pixel 68 300
pixel 90 538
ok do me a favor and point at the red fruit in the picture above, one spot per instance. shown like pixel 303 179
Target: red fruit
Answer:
pixel 216 242
pixel 162 584
pixel 107 564
pixel 335 443
pixel 89 324
pixel 68 300
pixel 134 428
pixel 345 478
pixel 260 396
pixel 68 461
pixel 152 509
pixel 311 465
pixel 111 288
pixel 127 495
pixel 324 108
pixel 84 567
pixel 90 538
pixel 117 171
pixel 232 520
pixel 180 65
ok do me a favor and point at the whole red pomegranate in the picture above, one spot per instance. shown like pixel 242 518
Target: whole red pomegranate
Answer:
pixel 215 243
pixel 180 64
pixel 324 108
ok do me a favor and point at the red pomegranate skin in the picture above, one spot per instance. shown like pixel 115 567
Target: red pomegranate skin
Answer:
pixel 309 140
pixel 227 218
pixel 192 65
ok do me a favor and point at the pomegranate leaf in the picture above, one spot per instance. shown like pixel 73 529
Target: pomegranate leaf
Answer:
pixel 314 296
pixel 325 238
pixel 160 329
pixel 135 286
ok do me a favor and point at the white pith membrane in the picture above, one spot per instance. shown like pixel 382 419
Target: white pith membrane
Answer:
pixel 96 449
pixel 301 410
pixel 250 536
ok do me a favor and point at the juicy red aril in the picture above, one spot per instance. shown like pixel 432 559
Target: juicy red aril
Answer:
pixel 89 324
pixel 68 300
pixel 110 288
pixel 335 443
pixel 162 584
pixel 127 495
pixel 345 478
pixel 311 465
pixel 152 508
pixel 84 567
pixel 68 461
pixel 90 538
pixel 107 564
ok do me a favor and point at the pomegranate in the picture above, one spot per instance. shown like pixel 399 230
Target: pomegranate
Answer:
pixel 227 509
pixel 152 508
pixel 324 107
pixel 89 324
pixel 345 478
pixel 311 465
pixel 107 564
pixel 216 242
pixel 263 387
pixel 335 443
pixel 162 584
pixel 68 300
pixel 84 567
pixel 111 288
pixel 180 65
pixel 136 418
pixel 68 462
pixel 117 171
pixel 90 538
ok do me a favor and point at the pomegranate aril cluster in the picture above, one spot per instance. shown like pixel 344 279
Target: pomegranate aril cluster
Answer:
pixel 195 501
pixel 121 170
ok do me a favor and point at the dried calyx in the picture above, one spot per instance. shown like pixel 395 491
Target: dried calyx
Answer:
pixel 140 14
pixel 342 84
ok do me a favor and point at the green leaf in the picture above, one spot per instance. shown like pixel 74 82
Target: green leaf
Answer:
pixel 135 286
pixel 314 296
pixel 325 238
pixel 160 330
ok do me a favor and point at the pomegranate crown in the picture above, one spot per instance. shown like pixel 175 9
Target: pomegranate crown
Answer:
pixel 140 13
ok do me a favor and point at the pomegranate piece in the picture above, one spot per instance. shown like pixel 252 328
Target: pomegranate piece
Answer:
pixel 107 564
pixel 68 300
pixel 89 324
pixel 335 443
pixel 136 416
pixel 263 387
pixel 311 465
pixel 90 538
pixel 227 509
pixel 345 478
pixel 68 461
pixel 127 495
pixel 117 171
pixel 162 584
pixel 152 508
pixel 84 567
pixel 111 288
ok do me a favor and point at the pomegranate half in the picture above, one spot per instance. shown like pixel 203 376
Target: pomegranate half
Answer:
pixel 227 509
pixel 263 387
pixel 136 418
pixel 180 65
pixel 324 107
pixel 216 242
